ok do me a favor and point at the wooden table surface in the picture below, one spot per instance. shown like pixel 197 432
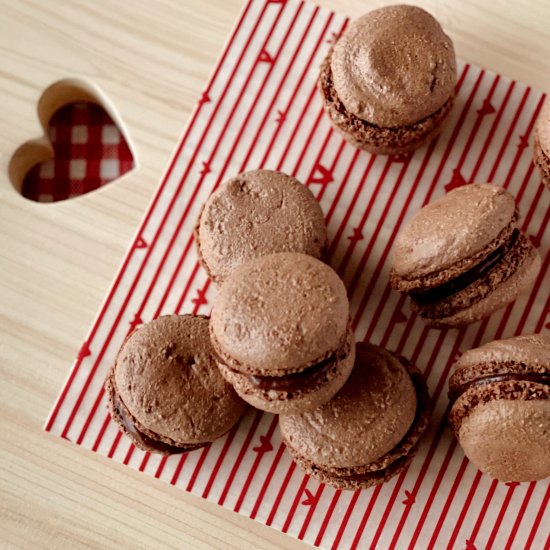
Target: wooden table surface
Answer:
pixel 151 59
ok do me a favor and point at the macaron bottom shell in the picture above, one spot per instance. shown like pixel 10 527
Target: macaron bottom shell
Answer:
pixel 372 138
pixel 503 285
pixel 504 429
pixel 386 466
pixel 309 392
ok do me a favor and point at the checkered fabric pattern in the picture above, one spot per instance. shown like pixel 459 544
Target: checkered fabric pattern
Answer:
pixel 89 151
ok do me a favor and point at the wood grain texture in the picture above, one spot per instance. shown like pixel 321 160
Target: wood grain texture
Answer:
pixel 151 59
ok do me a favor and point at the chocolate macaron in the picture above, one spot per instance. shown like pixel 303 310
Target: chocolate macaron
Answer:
pixel 388 82
pixel 280 327
pixel 542 143
pixel 370 430
pixel 254 214
pixel 500 396
pixel 463 256
pixel 165 390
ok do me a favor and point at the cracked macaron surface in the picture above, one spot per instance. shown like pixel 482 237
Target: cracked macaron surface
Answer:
pixel 254 214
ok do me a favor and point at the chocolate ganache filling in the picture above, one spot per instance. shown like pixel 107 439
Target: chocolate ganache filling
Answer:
pixel 539 378
pixel 131 428
pixel 468 277
pixel 294 382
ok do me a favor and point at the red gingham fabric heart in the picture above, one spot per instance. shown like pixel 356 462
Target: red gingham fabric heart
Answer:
pixel 89 151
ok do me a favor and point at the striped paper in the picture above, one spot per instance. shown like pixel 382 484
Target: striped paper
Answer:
pixel 261 109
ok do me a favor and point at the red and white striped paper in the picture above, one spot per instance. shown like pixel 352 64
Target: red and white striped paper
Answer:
pixel 261 109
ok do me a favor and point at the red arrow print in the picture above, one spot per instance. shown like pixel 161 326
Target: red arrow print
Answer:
pixel 456 181
pixel 281 116
pixel 140 243
pixel 310 499
pixel 205 98
pixel 265 445
pixel 399 317
pixel 535 240
pixel 357 235
pixel 321 175
pixel 399 158
pixel 409 500
pixel 334 36
pixel 486 108
pixel 470 546
pixel 205 168
pixel 136 321
pixel 201 297
pixel 523 142
pixel 265 57
pixel 84 351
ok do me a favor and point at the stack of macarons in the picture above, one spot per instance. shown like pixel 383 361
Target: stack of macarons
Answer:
pixel 279 337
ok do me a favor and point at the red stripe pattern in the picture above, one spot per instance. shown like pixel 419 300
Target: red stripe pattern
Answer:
pixel 261 109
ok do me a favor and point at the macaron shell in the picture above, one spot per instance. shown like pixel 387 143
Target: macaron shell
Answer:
pixel 364 421
pixel 521 281
pixel 360 481
pixel 542 161
pixel 257 213
pixel 167 377
pixel 531 350
pixel 141 437
pixel 376 76
pixel 375 139
pixel 543 127
pixel 308 397
pixel 509 439
pixel 458 225
pixel 279 314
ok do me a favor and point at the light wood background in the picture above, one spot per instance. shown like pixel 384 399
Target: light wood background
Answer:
pixel 151 59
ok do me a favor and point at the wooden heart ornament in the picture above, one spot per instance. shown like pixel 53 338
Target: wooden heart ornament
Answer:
pixel 84 145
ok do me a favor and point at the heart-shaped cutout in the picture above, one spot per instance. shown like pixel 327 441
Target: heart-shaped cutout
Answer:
pixel 84 145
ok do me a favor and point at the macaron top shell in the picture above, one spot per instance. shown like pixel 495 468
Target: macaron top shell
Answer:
pixel 167 378
pixel 532 350
pixel 365 420
pixel 279 314
pixel 543 128
pixel 453 228
pixel 257 213
pixel 394 66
